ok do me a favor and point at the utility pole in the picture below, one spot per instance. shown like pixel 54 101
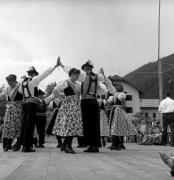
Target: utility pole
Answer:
pixel 160 77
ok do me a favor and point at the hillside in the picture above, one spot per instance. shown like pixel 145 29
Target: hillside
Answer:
pixel 145 78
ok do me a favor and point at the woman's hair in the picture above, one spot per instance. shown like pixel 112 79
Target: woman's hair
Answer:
pixel 11 77
pixel 74 71
pixel 119 88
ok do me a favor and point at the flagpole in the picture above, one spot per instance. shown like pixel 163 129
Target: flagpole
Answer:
pixel 160 78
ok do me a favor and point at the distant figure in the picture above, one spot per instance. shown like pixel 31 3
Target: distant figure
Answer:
pixel 166 107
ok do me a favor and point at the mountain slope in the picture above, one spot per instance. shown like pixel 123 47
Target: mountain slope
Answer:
pixel 145 78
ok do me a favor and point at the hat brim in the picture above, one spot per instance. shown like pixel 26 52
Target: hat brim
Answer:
pixel 86 65
pixel 33 72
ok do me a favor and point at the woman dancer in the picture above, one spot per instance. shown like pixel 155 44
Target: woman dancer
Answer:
pixel 68 122
pixel 13 115
pixel 120 123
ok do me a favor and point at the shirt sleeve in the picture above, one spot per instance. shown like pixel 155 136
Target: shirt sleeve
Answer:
pixel 160 107
pixel 110 86
pixel 102 89
pixel 57 91
pixel 4 93
pixel 82 75
pixel 36 80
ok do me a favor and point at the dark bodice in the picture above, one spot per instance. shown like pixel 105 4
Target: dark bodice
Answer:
pixel 18 97
pixel 69 91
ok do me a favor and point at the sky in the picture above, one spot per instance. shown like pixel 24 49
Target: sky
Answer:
pixel 118 35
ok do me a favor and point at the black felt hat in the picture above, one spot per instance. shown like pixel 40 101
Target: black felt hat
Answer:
pixel 32 70
pixel 89 64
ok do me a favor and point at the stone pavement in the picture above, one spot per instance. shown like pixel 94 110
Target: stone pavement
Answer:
pixel 135 163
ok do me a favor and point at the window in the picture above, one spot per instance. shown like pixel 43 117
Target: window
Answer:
pixel 129 109
pixel 129 98
pixel 146 115
pixel 154 115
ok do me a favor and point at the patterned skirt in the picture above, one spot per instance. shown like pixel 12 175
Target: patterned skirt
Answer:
pixel 120 123
pixel 104 125
pixel 12 121
pixel 69 119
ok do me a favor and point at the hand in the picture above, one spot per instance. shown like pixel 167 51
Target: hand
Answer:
pixel 58 62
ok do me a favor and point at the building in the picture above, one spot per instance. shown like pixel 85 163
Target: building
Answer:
pixel 149 107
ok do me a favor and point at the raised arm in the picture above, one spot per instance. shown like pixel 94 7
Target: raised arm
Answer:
pixel 108 82
pixel 45 74
pixel 68 68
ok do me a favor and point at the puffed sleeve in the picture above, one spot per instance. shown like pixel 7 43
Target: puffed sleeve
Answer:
pixel 4 93
pixel 110 86
pixel 122 96
pixel 57 91
pixel 102 89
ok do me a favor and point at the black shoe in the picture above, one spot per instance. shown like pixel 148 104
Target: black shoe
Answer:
pixel 121 146
pixel 24 149
pixel 71 150
pixel 40 146
pixel 5 149
pixel 116 148
pixel 16 148
pixel 92 150
pixel 81 146
pixel 59 146
pixel 172 173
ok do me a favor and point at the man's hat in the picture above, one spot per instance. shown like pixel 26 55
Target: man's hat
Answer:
pixel 32 70
pixel 88 63
pixel 40 92
pixel 11 77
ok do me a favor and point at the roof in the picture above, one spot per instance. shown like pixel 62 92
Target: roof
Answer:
pixel 119 78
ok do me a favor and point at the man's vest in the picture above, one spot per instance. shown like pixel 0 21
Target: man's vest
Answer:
pixel 90 85
pixel 25 88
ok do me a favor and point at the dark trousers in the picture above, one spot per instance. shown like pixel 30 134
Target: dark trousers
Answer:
pixel 7 143
pixel 59 140
pixel 91 122
pixel 117 140
pixel 67 142
pixel 28 124
pixel 40 126
pixel 81 141
pixel 168 120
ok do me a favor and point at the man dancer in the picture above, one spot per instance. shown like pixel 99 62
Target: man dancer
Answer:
pixel 91 86
pixel 166 107
pixel 29 89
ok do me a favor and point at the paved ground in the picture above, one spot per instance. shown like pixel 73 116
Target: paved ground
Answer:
pixel 136 163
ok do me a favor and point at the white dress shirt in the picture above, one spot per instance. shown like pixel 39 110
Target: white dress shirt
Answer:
pixel 166 105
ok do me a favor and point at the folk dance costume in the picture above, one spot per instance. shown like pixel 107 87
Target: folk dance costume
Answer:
pixel 91 86
pixel 13 115
pixel 29 91
pixel 68 122
pixel 104 122
pixel 120 123
pixel 41 119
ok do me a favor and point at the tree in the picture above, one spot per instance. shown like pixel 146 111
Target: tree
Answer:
pixel 49 88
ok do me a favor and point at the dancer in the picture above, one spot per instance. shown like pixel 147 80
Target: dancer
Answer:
pixel 13 115
pixel 166 107
pixel 91 86
pixel 120 123
pixel 104 124
pixel 29 91
pixel 68 121
pixel 41 119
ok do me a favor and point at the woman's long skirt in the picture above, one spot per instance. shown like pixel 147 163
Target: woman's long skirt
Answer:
pixel 69 120
pixel 104 125
pixel 12 121
pixel 120 123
